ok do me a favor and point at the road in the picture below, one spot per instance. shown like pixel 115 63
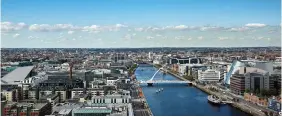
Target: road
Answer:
pixel 247 104
pixel 138 103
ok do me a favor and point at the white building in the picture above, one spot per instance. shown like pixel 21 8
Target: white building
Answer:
pixel 156 62
pixel 111 81
pixel 101 71
pixel 111 99
pixel 9 95
pixel 65 66
pixel 93 92
pixel 209 75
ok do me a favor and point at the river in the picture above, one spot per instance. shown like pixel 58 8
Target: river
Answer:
pixel 180 99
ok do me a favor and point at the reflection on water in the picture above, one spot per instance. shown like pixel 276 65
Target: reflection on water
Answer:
pixel 179 99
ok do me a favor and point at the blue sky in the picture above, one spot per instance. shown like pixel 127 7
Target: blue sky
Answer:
pixel 140 23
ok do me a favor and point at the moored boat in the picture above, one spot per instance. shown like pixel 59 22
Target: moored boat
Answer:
pixel 214 99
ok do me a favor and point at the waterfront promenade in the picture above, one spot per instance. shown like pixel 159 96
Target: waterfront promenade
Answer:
pixel 179 99
pixel 242 105
pixel 139 102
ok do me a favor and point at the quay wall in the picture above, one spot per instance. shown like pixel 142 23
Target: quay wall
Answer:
pixel 235 104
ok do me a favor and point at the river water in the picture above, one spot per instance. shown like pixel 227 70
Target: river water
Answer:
pixel 180 99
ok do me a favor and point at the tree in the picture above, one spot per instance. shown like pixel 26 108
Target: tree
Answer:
pixel 158 65
pixel 188 77
pixel 257 91
pixel 272 92
pixel 247 91
pixel 264 92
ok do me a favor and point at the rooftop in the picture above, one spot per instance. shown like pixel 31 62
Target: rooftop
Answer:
pixel 65 111
pixel 16 75
pixel 93 110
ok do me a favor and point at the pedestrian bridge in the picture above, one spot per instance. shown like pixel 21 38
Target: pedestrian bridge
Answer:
pixel 164 82
pixel 152 80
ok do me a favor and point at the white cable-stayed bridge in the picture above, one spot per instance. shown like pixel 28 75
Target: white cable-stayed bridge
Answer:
pixel 152 80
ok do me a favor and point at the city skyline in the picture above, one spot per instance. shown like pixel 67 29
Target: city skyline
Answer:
pixel 116 23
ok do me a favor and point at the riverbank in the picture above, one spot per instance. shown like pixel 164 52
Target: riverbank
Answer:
pixel 145 102
pixel 243 107
pixel 141 94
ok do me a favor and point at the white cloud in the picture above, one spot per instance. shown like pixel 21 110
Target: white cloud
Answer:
pixel 255 25
pixel 206 28
pixel 9 26
pixel 149 37
pixel 70 32
pixel 158 35
pixel 240 29
pixel 223 38
pixel 92 28
pixel 56 27
pixel 259 38
pixel 41 27
pixel 181 27
pixel 32 37
pixel 120 26
pixel 200 37
pixel 189 38
pixel 127 37
pixel 139 29
pixel 16 35
pixel 178 37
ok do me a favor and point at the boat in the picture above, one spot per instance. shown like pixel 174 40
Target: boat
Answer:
pixel 157 91
pixel 214 99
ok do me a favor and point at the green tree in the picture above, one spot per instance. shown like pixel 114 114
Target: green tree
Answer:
pixel 257 91
pixel 264 92
pixel 272 92
pixel 188 77
pixel 158 65
pixel 247 91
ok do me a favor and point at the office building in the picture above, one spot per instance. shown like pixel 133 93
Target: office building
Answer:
pixel 209 76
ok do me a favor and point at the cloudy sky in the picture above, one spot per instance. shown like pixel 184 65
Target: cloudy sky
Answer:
pixel 140 23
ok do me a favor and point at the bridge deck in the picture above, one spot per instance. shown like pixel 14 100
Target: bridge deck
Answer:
pixel 164 81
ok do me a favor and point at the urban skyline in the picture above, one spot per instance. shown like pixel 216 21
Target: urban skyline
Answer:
pixel 120 24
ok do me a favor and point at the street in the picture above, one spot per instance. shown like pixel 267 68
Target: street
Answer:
pixel 138 103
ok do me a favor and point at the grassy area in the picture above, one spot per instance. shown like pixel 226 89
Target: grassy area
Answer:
pixel 158 65
pixel 132 68
pixel 188 77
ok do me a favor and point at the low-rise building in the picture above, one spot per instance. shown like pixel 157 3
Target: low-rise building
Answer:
pixel 209 75
pixel 111 99
pixel 27 109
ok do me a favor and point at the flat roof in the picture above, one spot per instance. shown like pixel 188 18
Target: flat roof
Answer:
pixel 93 110
pixel 16 75
pixel 65 111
